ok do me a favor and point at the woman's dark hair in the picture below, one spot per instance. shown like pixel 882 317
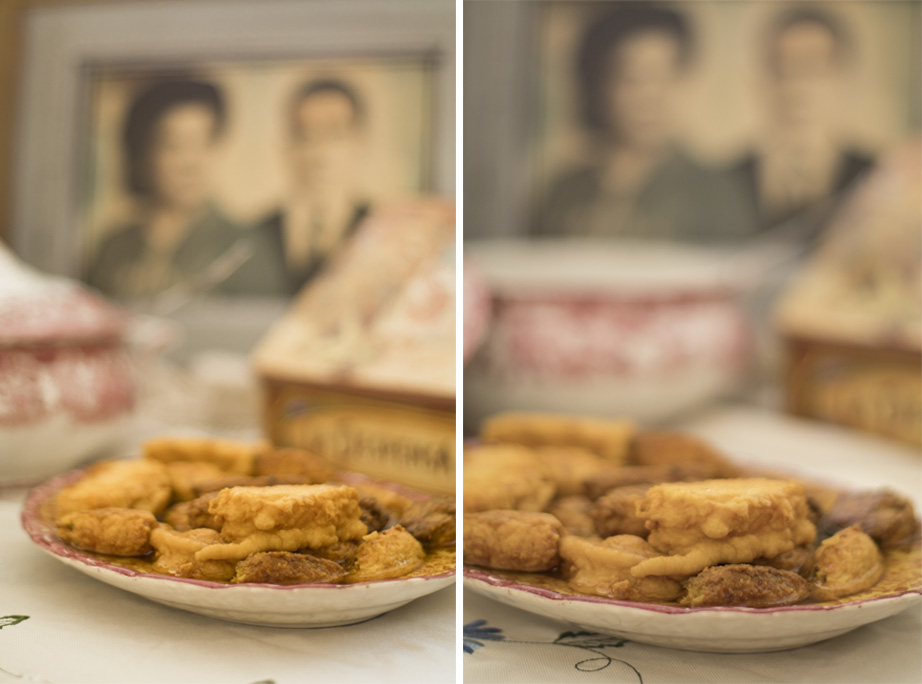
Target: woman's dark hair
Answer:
pixel 329 85
pixel 809 14
pixel 147 111
pixel 601 40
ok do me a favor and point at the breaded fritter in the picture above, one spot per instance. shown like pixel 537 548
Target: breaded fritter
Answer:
pixel 288 461
pixel 283 518
pixel 341 552
pixel 431 521
pixel 187 476
pixel 610 439
pixel 616 512
pixel 116 531
pixel 175 554
pixel 573 513
pixel 225 482
pixel 844 564
pixel 792 560
pixel 512 540
pixel 624 476
pixel 505 477
pixel 142 485
pixel 230 456
pixel 741 584
pixel 285 567
pixel 603 568
pixel 659 448
pixel 885 516
pixel 570 467
pixel 386 555
pixel 722 521
pixel 189 515
pixel 393 502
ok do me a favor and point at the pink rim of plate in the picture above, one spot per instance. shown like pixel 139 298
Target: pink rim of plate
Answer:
pixel 492 580
pixel 42 532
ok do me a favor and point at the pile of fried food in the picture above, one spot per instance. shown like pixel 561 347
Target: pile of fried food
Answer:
pixel 663 517
pixel 228 511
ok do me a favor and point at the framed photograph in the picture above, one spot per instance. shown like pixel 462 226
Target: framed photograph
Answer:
pixel 637 120
pixel 153 139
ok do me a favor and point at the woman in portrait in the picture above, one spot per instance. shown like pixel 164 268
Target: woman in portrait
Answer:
pixel 171 137
pixel 636 181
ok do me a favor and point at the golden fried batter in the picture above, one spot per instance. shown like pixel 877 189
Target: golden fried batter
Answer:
pixel 609 439
pixel 432 521
pixel 655 447
pixel 623 476
pixel 176 551
pixel 512 540
pixel 887 517
pixel 189 515
pixel 291 461
pixel 756 586
pixel 616 512
pixel 722 521
pixel 385 555
pixel 187 476
pixel 142 485
pixel 570 467
pixel 226 481
pixel 603 568
pixel 573 513
pixel 285 567
pixel 283 518
pixel 505 477
pixel 116 531
pixel 230 456
pixel 846 563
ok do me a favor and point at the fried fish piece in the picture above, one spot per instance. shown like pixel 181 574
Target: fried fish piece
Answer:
pixel 624 476
pixel 230 456
pixel 699 524
pixel 189 515
pixel 741 584
pixel 505 477
pixel 283 518
pixel 386 555
pixel 175 554
pixel 431 521
pixel 609 439
pixel 115 531
pixel 603 568
pixel 844 564
pixel 661 447
pixel 616 512
pixel 289 461
pixel 512 540
pixel 187 476
pixel 570 467
pixel 285 567
pixel 885 516
pixel 573 513
pixel 142 485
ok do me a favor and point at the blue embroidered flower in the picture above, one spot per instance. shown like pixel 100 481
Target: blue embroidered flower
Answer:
pixel 475 633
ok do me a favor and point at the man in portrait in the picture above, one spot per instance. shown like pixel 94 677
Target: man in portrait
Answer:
pixel 802 159
pixel 170 140
pixel 325 202
pixel 636 180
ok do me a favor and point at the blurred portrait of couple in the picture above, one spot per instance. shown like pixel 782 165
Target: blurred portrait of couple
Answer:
pixel 632 67
pixel 172 145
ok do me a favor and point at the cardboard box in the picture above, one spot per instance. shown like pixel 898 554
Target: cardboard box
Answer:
pixel 361 370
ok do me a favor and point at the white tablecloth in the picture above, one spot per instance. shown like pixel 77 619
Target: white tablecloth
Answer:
pixel 81 630
pixel 509 645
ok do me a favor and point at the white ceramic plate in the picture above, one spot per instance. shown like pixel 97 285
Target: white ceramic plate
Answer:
pixel 303 605
pixel 716 630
